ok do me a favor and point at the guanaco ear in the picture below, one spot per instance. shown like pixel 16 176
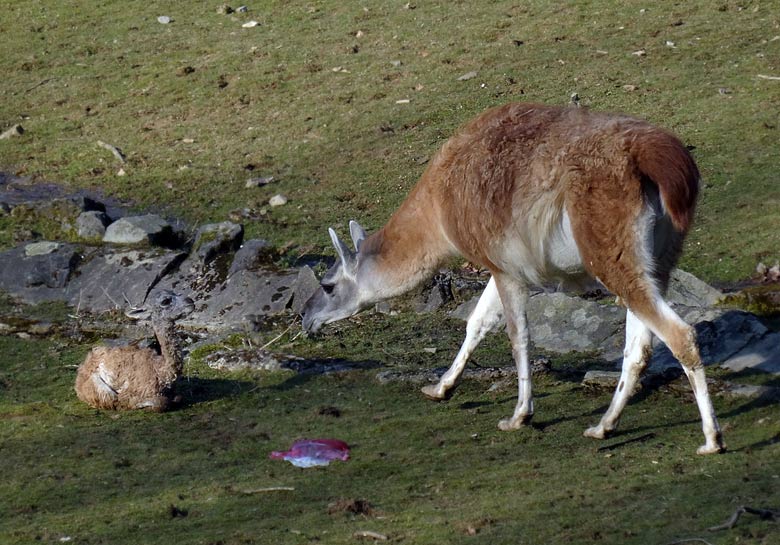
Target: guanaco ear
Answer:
pixel 345 254
pixel 358 234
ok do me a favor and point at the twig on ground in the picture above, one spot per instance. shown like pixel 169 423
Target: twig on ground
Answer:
pixel 266 489
pixel 773 78
pixel 113 149
pixel 765 514
pixel 279 336
pixel 42 82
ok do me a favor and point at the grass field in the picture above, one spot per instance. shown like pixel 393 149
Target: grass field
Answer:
pixel 311 97
pixel 342 103
pixel 429 472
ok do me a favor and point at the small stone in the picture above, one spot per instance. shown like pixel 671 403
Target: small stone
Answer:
pixel 630 88
pixel 601 379
pixel 430 349
pixel 151 229
pixel 91 225
pixel 259 181
pixel 396 63
pixel 359 34
pixel 639 53
pixel 278 200
pixel 403 101
pixel 670 43
pixel 250 24
pixel 121 172
pixel 164 19
pixel 242 9
pixel 467 76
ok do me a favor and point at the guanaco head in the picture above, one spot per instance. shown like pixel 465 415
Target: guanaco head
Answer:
pixel 340 294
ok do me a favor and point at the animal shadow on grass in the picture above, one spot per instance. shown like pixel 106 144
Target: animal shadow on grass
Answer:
pixel 193 390
pixel 306 369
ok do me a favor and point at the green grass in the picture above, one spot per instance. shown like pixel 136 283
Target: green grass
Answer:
pixel 432 472
pixel 268 99
pixel 200 105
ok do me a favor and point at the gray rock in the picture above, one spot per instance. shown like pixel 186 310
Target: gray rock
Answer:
pixel 437 296
pixel 148 229
pixel 305 286
pixel 762 355
pixel 560 323
pixel 40 276
pixel 749 391
pixel 246 359
pixel 722 337
pixel 91 225
pixel 253 254
pixel 110 279
pixel 601 379
pixel 217 238
pixel 236 303
pixel 685 289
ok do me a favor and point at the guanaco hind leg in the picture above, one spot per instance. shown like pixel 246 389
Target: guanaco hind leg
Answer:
pixel 484 318
pixel 681 340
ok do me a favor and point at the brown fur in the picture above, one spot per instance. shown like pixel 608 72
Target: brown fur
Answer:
pixel 509 175
pixel 512 171
pixel 132 377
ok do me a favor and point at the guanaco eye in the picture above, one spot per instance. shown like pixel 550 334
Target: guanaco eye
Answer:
pixel 328 288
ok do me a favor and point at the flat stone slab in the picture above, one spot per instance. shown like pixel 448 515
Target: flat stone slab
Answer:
pixel 734 339
pixel 109 281
pixel 234 304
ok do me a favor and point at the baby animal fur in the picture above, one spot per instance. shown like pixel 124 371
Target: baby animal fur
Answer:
pixel 131 377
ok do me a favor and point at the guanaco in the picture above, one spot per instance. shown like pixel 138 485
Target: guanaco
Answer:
pixel 537 194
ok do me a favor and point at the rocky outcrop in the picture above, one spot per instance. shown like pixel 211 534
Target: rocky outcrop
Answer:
pixel 236 286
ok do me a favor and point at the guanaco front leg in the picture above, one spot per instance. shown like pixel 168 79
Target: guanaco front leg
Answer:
pixel 484 318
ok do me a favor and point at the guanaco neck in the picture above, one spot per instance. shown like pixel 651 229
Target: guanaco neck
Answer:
pixel 165 332
pixel 409 248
